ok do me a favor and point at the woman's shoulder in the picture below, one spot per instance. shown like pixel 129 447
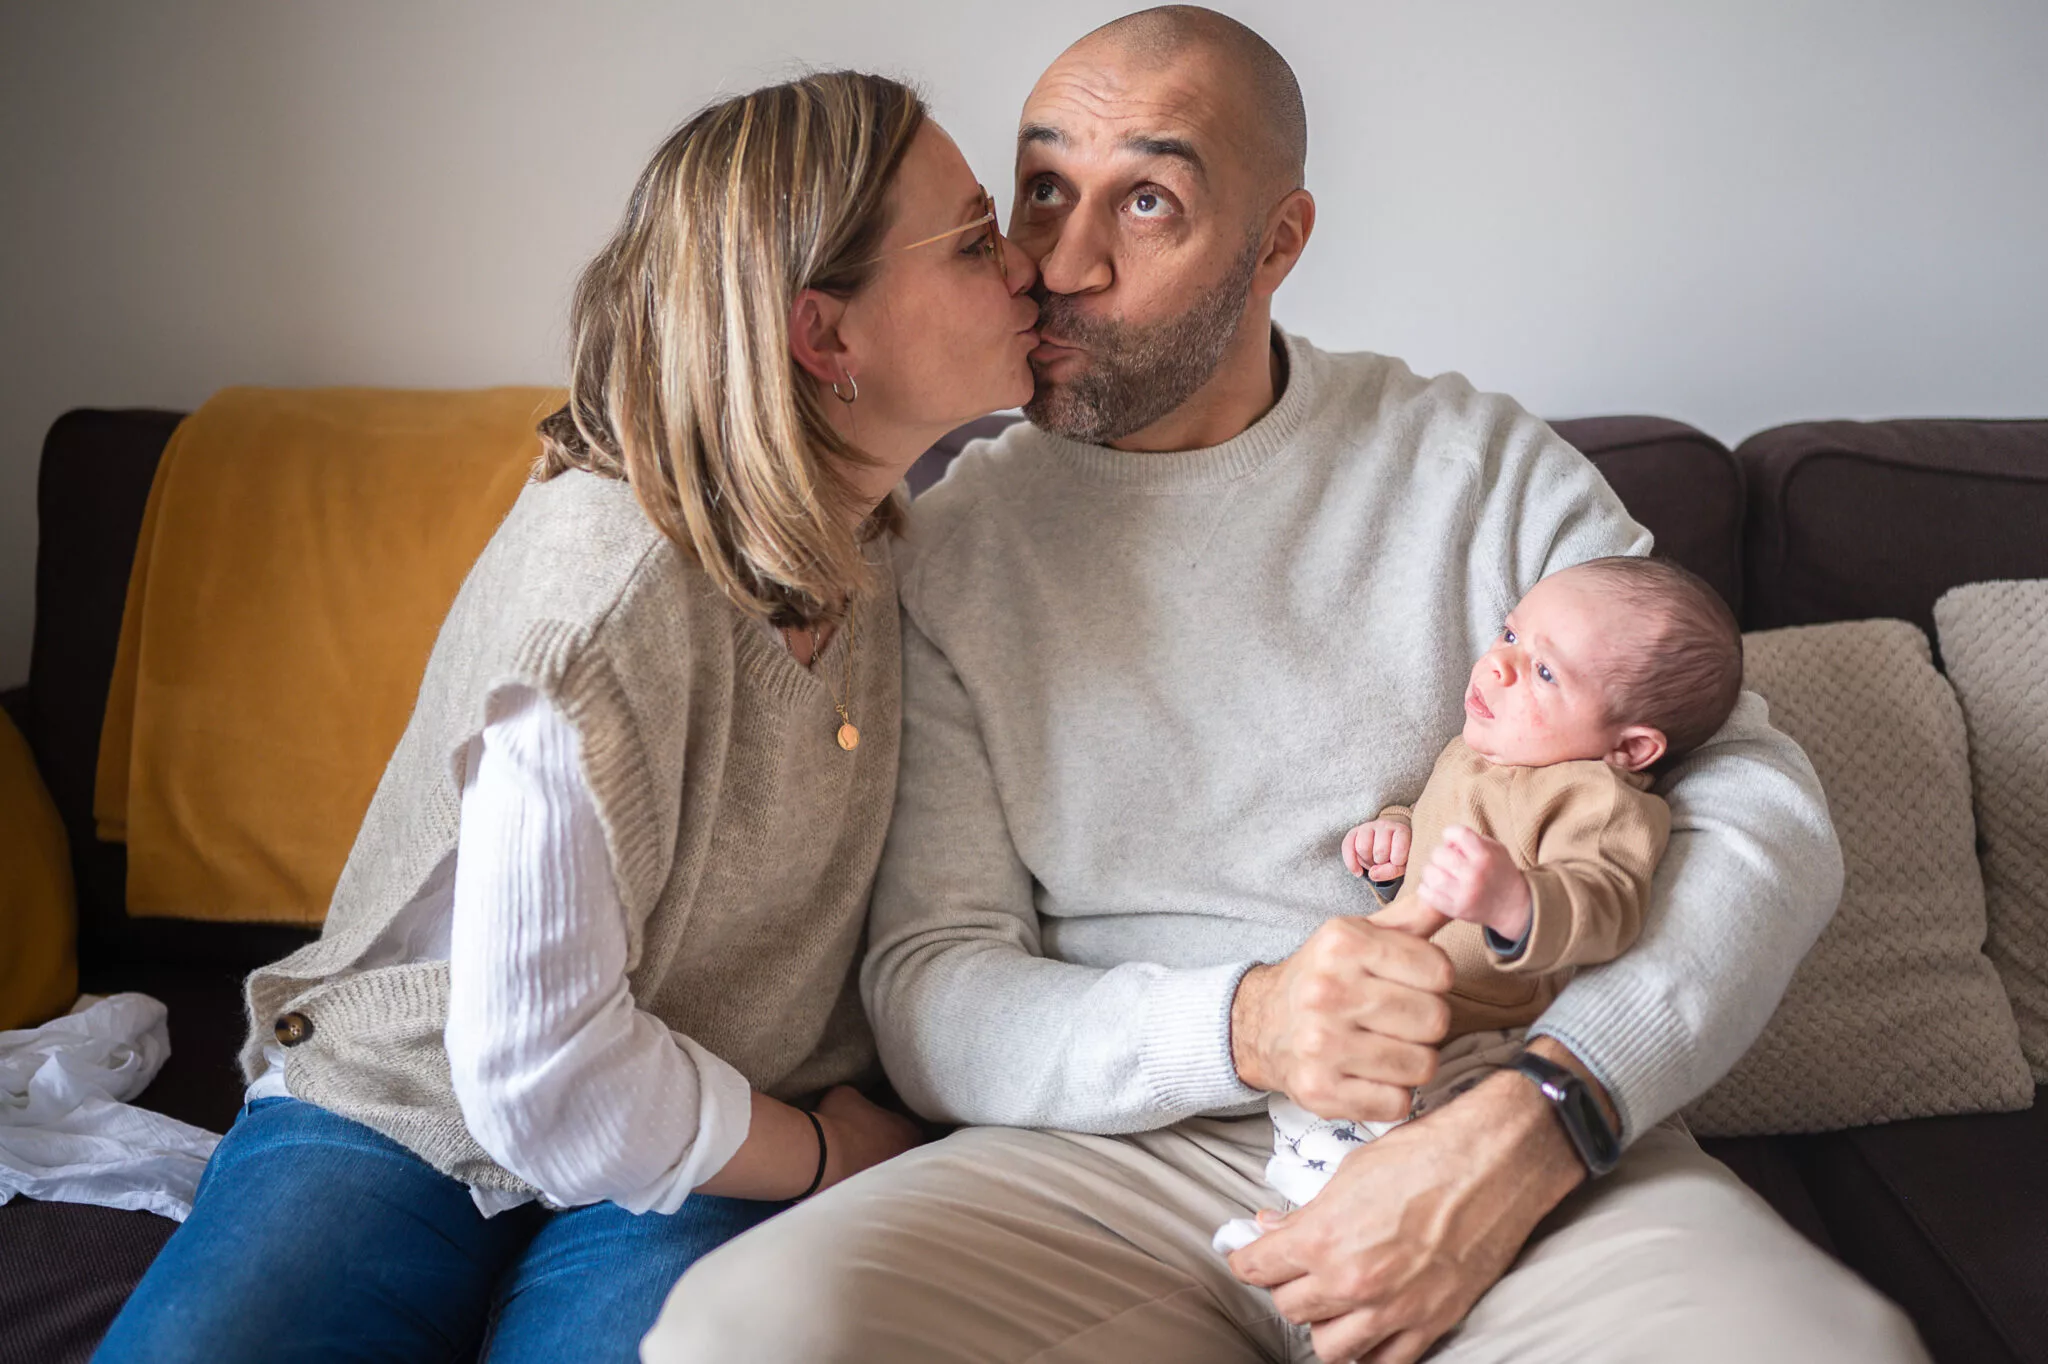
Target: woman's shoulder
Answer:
pixel 575 557
pixel 571 545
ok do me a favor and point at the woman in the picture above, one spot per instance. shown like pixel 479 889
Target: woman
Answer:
pixel 594 944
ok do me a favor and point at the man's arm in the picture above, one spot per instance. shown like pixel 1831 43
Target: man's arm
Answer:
pixel 974 1022
pixel 1750 878
pixel 1752 872
pixel 1416 1226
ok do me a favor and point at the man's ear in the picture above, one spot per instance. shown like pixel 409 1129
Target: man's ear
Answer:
pixel 1288 228
pixel 1638 747
pixel 814 341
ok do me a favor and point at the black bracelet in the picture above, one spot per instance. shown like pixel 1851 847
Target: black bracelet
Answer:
pixel 819 1177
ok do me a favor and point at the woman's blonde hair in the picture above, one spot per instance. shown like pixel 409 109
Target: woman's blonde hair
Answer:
pixel 681 379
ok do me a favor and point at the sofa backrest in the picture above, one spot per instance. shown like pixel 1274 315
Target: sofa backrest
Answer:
pixel 1799 525
pixel 1849 520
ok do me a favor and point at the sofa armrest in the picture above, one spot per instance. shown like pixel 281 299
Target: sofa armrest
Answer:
pixel 15 703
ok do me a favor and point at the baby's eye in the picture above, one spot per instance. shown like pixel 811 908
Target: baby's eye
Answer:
pixel 1543 671
pixel 1507 636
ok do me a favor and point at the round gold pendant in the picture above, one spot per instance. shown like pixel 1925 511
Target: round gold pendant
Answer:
pixel 849 737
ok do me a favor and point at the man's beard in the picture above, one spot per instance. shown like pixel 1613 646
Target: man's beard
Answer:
pixel 1136 375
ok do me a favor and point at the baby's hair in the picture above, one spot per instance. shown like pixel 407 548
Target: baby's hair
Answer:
pixel 1687 681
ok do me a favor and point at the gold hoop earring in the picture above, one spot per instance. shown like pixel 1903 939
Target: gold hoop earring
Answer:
pixel 851 383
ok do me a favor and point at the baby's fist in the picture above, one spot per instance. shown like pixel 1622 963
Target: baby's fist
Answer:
pixel 1474 878
pixel 1377 849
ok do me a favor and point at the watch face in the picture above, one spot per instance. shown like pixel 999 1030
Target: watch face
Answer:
pixel 1601 1150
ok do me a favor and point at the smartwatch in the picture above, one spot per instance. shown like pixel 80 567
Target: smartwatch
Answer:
pixel 1576 1109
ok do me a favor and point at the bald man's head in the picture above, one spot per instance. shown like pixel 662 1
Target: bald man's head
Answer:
pixel 1159 189
pixel 1267 88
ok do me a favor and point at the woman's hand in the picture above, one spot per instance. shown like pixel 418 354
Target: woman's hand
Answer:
pixel 859 1133
pixel 780 1154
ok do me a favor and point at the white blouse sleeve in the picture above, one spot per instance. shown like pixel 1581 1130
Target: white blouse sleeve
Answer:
pixel 561 1077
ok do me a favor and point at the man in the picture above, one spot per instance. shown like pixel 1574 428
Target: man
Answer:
pixel 1162 647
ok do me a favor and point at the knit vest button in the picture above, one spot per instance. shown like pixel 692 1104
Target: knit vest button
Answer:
pixel 293 1029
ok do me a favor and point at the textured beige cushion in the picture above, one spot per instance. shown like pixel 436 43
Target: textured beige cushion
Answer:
pixel 1994 639
pixel 1896 1013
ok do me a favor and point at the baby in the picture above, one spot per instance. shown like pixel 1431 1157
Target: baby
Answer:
pixel 1537 835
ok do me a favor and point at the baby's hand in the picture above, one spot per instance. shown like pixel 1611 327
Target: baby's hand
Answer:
pixel 1474 878
pixel 1378 849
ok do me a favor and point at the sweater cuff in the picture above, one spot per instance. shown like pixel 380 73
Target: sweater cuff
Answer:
pixel 1550 924
pixel 1505 949
pixel 1184 1045
pixel 1632 1041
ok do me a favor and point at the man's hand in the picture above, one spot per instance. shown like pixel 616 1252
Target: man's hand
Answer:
pixel 1415 1227
pixel 1348 1025
pixel 1378 849
pixel 1474 878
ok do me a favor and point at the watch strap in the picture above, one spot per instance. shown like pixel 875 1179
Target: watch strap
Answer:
pixel 1578 1112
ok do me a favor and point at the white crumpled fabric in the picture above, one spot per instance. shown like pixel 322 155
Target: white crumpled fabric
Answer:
pixel 67 1133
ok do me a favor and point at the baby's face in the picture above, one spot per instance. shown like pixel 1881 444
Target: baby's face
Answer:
pixel 1541 694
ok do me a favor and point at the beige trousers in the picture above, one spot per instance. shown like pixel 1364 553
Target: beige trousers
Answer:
pixel 998 1246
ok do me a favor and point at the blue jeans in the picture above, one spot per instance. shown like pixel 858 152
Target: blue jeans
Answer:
pixel 314 1238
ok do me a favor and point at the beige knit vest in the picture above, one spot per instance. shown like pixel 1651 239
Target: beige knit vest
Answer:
pixel 742 838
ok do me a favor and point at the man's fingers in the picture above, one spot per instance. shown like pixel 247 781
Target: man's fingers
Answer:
pixel 1390 1063
pixel 1348 1098
pixel 1397 957
pixel 1399 1014
pixel 1363 1338
pixel 1313 1298
pixel 1403 1347
pixel 1270 1261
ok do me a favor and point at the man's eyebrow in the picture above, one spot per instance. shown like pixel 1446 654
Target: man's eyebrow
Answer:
pixel 1175 148
pixel 1144 144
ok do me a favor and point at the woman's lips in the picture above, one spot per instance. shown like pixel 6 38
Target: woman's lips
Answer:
pixel 1048 350
pixel 1474 706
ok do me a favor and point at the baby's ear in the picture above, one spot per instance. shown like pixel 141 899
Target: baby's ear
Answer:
pixel 1638 747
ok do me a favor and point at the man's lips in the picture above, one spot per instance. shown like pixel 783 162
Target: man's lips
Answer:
pixel 1475 706
pixel 1048 350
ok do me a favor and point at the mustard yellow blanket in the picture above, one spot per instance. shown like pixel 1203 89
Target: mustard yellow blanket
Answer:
pixel 298 553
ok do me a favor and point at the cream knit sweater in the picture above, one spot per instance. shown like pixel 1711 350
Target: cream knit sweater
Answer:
pixel 742 840
pixel 1145 695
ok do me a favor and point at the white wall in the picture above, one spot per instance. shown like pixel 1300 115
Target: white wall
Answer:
pixel 1735 212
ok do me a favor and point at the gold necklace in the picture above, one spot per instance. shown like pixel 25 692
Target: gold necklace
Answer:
pixel 849 733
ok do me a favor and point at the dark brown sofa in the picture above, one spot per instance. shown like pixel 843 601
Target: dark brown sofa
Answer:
pixel 1802 524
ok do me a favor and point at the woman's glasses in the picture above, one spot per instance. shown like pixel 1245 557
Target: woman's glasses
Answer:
pixel 991 242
